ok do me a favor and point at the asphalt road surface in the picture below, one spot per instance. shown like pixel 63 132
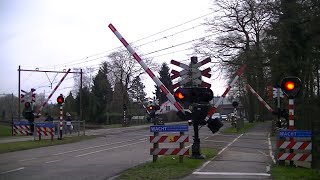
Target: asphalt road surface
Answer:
pixel 104 157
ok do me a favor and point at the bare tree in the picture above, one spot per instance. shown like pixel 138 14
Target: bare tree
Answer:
pixel 125 68
pixel 239 28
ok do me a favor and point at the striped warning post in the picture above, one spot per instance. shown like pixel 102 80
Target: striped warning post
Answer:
pixel 295 145
pixel 169 151
pixel 295 156
pixel 169 139
pixel 259 98
pixel 291 114
pixel 146 68
pixel 213 109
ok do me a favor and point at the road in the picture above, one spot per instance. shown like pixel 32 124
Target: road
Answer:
pixel 106 156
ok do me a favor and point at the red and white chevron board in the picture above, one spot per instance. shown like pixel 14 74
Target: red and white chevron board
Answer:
pixel 45 131
pixel 169 151
pixel 295 145
pixel 295 157
pixel 21 129
pixel 169 139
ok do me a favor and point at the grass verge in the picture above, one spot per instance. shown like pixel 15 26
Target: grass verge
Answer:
pixel 24 145
pixel 167 167
pixel 287 172
pixel 247 126
pixel 5 130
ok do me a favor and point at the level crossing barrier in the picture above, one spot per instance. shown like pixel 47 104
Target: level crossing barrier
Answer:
pixel 294 145
pixel 181 139
pixel 45 129
pixel 21 128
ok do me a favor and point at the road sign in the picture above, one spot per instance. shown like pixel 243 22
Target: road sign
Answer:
pixel 295 133
pixel 169 128
pixel 276 91
pixel 45 124
pixel 192 73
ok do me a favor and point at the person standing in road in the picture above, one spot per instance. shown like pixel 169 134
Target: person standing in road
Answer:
pixel 68 123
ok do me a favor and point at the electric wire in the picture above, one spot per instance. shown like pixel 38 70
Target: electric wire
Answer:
pixel 59 65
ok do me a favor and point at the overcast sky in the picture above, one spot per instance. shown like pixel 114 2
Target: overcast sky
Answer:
pixel 62 34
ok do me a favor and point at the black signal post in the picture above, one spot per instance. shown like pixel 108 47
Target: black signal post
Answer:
pixel 199 97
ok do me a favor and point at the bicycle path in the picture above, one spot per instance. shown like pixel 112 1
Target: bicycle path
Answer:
pixel 241 156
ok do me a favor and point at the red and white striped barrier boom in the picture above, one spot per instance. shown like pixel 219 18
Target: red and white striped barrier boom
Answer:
pixel 169 151
pixel 54 90
pixel 146 68
pixel 259 98
pixel 213 109
pixel 169 139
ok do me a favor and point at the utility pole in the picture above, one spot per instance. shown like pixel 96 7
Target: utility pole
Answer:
pixel 19 109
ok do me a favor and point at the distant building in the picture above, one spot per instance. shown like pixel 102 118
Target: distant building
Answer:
pixel 166 107
pixel 224 108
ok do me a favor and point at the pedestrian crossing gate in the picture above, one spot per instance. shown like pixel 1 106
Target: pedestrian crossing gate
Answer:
pixel 21 128
pixel 169 138
pixel 45 129
pixel 298 148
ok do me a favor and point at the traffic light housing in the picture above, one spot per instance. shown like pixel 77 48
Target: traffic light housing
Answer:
pixel 193 95
pixel 235 104
pixel 27 105
pixel 291 86
pixel 60 99
pixel 152 110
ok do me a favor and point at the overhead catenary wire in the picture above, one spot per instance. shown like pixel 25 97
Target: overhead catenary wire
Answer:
pixel 176 26
pixel 87 59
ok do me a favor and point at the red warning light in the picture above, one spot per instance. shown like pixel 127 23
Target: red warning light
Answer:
pixel 289 85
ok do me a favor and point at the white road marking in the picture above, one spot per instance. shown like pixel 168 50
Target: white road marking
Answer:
pixel 268 168
pixel 217 141
pixel 95 147
pixel 48 162
pixel 93 152
pixel 13 170
pixel 221 151
pixel 27 159
pixel 262 153
pixel 270 150
pixel 231 173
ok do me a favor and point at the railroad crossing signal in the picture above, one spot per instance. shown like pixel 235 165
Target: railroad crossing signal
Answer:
pixel 60 99
pixel 276 91
pixel 193 95
pixel 235 104
pixel 192 73
pixel 28 96
pixel 291 86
